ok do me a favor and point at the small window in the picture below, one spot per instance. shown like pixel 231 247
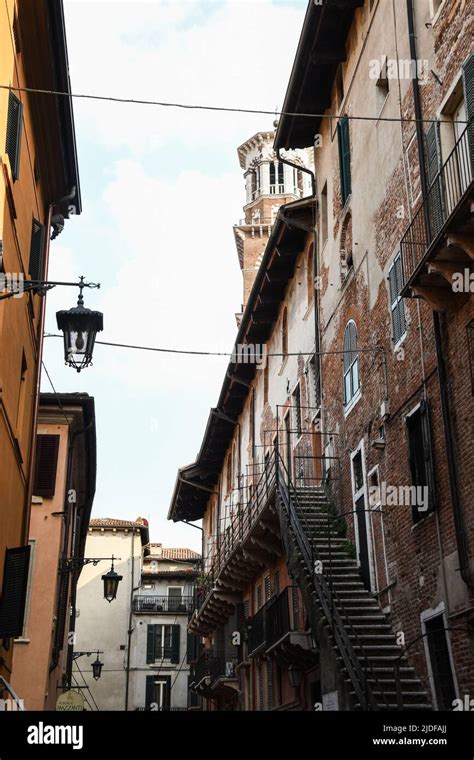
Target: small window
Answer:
pixel 14 591
pixel 47 448
pixel 397 304
pixel 440 661
pixel 344 158
pixel 13 138
pixel 284 332
pixel 382 86
pixel 162 643
pixel 351 363
pixel 420 451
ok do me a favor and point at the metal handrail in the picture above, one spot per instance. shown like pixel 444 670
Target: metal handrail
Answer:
pixel 357 674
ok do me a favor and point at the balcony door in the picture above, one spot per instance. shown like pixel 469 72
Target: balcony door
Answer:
pixel 175 598
pixel 362 526
pixel 158 692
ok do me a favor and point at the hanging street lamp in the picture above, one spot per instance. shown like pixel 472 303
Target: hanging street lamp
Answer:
pixel 111 582
pixel 80 327
pixel 97 666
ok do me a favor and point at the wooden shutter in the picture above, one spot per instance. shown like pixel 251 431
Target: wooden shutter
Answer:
pixel 150 644
pixel 15 586
pixel 13 138
pixel 344 157
pixel 395 279
pixel 150 688
pixel 267 588
pixel 435 184
pixel 62 614
pixel 47 447
pixel 175 633
pixel 36 250
pixel 468 83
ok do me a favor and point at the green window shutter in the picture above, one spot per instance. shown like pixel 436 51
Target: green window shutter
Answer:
pixel 13 138
pixel 15 586
pixel 344 157
pixel 150 688
pixel 175 633
pixel 435 184
pixel 46 464
pixel 36 250
pixel 397 306
pixel 150 644
pixel 468 84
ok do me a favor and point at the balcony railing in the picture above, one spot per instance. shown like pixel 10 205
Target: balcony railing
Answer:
pixel 447 190
pixel 221 668
pixel 202 667
pixel 163 604
pixel 285 615
pixel 258 629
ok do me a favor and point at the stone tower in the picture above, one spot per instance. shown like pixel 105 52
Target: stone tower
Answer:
pixel 268 185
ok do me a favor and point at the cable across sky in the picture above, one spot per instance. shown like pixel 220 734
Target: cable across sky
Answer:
pixel 223 109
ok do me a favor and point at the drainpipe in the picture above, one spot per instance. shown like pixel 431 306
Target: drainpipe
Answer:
pixel 130 629
pixel 459 522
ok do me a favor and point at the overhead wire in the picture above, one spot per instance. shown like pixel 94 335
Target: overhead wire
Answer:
pixel 202 107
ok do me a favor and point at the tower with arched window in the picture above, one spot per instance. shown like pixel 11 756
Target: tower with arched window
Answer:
pixel 269 184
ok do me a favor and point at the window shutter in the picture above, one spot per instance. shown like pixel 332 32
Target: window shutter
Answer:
pixel 149 693
pixel 267 588
pixel 344 157
pixel 62 611
pixel 428 454
pixel 13 139
pixel 175 632
pixel 433 159
pixel 36 251
pixel 150 644
pixel 15 585
pixel 47 447
pixel 395 279
pixel 468 84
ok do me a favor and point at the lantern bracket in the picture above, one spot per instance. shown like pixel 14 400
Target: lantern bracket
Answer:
pixel 73 563
pixel 16 286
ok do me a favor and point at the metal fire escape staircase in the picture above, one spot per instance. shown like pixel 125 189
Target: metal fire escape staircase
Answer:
pixel 376 672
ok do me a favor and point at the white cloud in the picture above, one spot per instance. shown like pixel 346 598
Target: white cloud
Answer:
pixel 237 54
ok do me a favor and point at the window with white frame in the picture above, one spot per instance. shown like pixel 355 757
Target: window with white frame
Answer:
pixel 351 363
pixel 277 181
pixel 397 304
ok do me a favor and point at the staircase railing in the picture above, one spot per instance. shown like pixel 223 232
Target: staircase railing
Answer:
pixel 326 595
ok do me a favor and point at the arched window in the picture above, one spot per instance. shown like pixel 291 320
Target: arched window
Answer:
pixel 351 363
pixel 284 332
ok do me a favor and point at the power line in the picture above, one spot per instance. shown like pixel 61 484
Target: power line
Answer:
pixel 222 109
pixel 264 355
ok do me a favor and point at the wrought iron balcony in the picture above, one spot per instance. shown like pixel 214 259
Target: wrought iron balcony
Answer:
pixel 434 245
pixel 163 604
pixel 202 667
pixel 258 628
pixel 285 615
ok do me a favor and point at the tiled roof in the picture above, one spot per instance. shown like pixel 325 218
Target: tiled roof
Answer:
pixel 112 522
pixel 176 573
pixel 157 551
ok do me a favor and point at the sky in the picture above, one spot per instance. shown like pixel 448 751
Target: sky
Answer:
pixel 161 189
